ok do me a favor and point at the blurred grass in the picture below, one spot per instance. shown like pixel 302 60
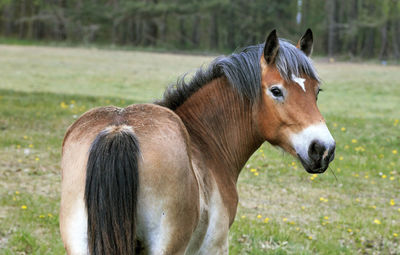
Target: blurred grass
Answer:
pixel 44 89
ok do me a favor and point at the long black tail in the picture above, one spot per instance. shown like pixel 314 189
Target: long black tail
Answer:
pixel 111 191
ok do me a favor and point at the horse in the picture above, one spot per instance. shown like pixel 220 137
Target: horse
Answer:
pixel 160 178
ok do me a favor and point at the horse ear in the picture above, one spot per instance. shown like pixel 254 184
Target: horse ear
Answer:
pixel 271 47
pixel 305 44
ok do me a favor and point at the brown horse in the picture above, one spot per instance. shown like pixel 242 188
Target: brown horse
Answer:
pixel 161 178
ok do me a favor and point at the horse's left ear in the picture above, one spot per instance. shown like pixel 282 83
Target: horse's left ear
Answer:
pixel 305 44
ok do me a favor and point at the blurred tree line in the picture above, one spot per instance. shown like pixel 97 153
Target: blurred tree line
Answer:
pixel 362 28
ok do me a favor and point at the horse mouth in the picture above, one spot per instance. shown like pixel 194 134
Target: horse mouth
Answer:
pixel 316 167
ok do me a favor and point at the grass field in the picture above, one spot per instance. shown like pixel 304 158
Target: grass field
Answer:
pixel 282 209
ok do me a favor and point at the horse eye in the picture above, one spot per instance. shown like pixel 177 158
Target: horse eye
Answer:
pixel 276 92
pixel 319 90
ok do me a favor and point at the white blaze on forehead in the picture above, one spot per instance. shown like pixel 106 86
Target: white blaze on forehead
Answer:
pixel 299 81
pixel 301 141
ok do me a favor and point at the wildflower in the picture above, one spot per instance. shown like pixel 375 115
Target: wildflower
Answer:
pixel 373 206
pixel 266 220
pixel 253 170
pixel 349 230
pixel 394 151
pixel 24 207
pixel 346 147
pixel 381 156
pixel 395 234
pixel 63 105
pixel 392 203
pixel 338 169
pixel 343 129
pixel 25 137
pixel 256 173
pixel 357 200
pixel 50 215
pixel 17 192
pixel 30 145
pixel 18 146
pixel 376 221
pixel 335 124
pixel 310 237
pixel 340 158
pixel 292 222
pixel 37 159
pixel 384 176
pixel 41 216
pixel 366 176
pixel 326 218
pixel 259 216
pixel 354 140
pixel 284 219
pixel 303 207
pixel 72 102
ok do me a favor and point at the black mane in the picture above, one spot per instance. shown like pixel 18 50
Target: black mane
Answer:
pixel 242 70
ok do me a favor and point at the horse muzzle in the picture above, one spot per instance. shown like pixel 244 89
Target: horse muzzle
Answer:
pixel 315 148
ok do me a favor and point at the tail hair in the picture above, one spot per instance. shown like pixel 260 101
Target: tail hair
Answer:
pixel 111 191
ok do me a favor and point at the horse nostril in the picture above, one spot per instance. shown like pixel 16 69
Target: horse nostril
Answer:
pixel 316 151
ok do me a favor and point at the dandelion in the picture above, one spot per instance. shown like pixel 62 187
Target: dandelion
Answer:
pixel 266 220
pixel 384 176
pixel 373 206
pixel 381 156
pixel 366 176
pixel 349 230
pixel 395 234
pixel 41 216
pixel 256 173
pixel 338 169
pixel 17 192
pixel 392 203
pixel 326 217
pixel 30 145
pixel 253 170
pixel 292 222
pixel 354 140
pixel 303 207
pixel 391 178
pixel 63 105
pixel 50 215
pixel 284 219
pixel 24 207
pixel 357 200
pixel 310 237
pixel 322 199
pixel 335 124
pixel 394 151
pixel 343 129
pixel 14 198
pixel 376 221
pixel 340 158
pixel 18 146
pixel 396 121
pixel 25 137
pixel 37 159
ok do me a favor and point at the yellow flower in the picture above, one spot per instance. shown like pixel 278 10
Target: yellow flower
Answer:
pixel 335 124
pixel 18 146
pixel 381 156
pixel 338 169
pixel 259 216
pixel 384 176
pixel 354 140
pixel 392 203
pixel 24 207
pixel 310 237
pixel 357 200
pixel 37 159
pixel 256 173
pixel 17 192
pixel 266 220
pixel 303 207
pixel 373 206
pixel 349 230
pixel 340 158
pixel 394 151
pixel 253 170
pixel 30 145
pixel 376 221
pixel 41 216
pixel 395 234
pixel 72 102
pixel 346 146
pixel 322 199
pixel 50 215
pixel 343 129
pixel 284 219
pixel 326 218
pixel 25 137
pixel 63 105
pixel 366 176
pixel 292 223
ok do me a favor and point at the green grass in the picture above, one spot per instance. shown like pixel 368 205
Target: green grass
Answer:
pixel 44 89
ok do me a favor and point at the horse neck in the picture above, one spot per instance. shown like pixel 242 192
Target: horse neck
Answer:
pixel 221 127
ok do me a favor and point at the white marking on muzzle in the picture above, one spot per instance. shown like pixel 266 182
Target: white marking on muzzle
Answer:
pixel 301 141
pixel 299 81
